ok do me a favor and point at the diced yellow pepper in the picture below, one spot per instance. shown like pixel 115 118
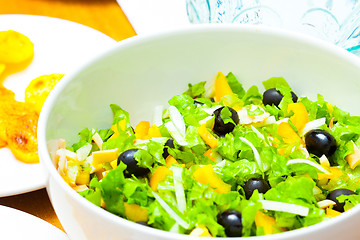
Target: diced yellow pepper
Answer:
pixel 153 132
pixel 222 87
pixel 136 213
pixel 100 157
pixel 209 154
pixel 210 139
pixel 142 130
pixel 206 175
pixel 354 158
pixel 265 221
pixel 334 173
pixel 300 117
pixel 332 213
pixel 83 178
pixel 200 231
pixel 288 134
pixel 113 164
pixel 159 175
pixel 170 160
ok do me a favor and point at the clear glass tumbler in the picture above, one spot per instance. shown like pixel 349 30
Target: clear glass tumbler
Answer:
pixel 336 21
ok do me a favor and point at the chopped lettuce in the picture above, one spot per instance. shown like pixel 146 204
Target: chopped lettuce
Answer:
pixel 174 198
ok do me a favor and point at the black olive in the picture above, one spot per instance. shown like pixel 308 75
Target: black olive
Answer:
pixel 320 142
pixel 231 220
pixel 255 183
pixel 336 193
pixel 128 158
pixel 169 143
pixel 273 96
pixel 220 127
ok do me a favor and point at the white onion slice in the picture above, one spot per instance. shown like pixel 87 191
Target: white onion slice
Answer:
pixel 258 133
pixel 179 189
pixel 313 125
pixel 256 153
pixel 210 111
pixel 177 119
pixel 157 119
pixel 83 152
pixel 205 120
pixel 171 212
pixel 179 138
pixel 326 203
pixel 284 207
pixel 315 165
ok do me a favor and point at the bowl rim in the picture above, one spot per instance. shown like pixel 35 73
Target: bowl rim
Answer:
pixel 131 42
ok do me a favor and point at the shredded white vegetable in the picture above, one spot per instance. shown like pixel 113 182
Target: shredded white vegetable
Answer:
pixel 158 111
pixel 179 189
pixel 256 153
pixel 210 111
pixel 177 120
pixel 326 203
pixel 258 133
pixel 83 152
pixel 97 139
pixel 284 207
pixel 313 125
pixel 171 212
pixel 205 120
pixel 315 165
pixel 179 138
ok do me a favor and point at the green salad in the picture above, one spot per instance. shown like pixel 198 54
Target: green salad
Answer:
pixel 222 161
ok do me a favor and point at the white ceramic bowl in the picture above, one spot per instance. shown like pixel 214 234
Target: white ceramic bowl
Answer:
pixel 142 72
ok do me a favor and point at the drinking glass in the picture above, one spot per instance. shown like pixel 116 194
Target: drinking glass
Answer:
pixel 336 21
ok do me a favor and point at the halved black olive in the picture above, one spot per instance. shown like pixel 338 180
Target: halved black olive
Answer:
pixel 222 128
pixel 336 193
pixel 128 158
pixel 273 96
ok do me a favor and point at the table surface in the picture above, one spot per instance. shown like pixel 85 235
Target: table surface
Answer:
pixel 103 15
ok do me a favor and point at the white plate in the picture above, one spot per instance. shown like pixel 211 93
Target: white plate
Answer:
pixel 18 225
pixel 60 46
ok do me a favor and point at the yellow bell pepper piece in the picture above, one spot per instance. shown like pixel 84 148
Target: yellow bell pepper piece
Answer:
pixel 136 213
pixel 265 221
pixel 210 139
pixel 113 164
pixel 159 175
pixel 142 130
pixel 334 173
pixel 104 156
pixel 206 175
pixel 332 213
pixel 209 154
pixel 170 160
pixel 222 87
pixel 200 231
pixel 153 132
pixel 354 158
pixel 300 117
pixel 82 178
pixel 288 134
